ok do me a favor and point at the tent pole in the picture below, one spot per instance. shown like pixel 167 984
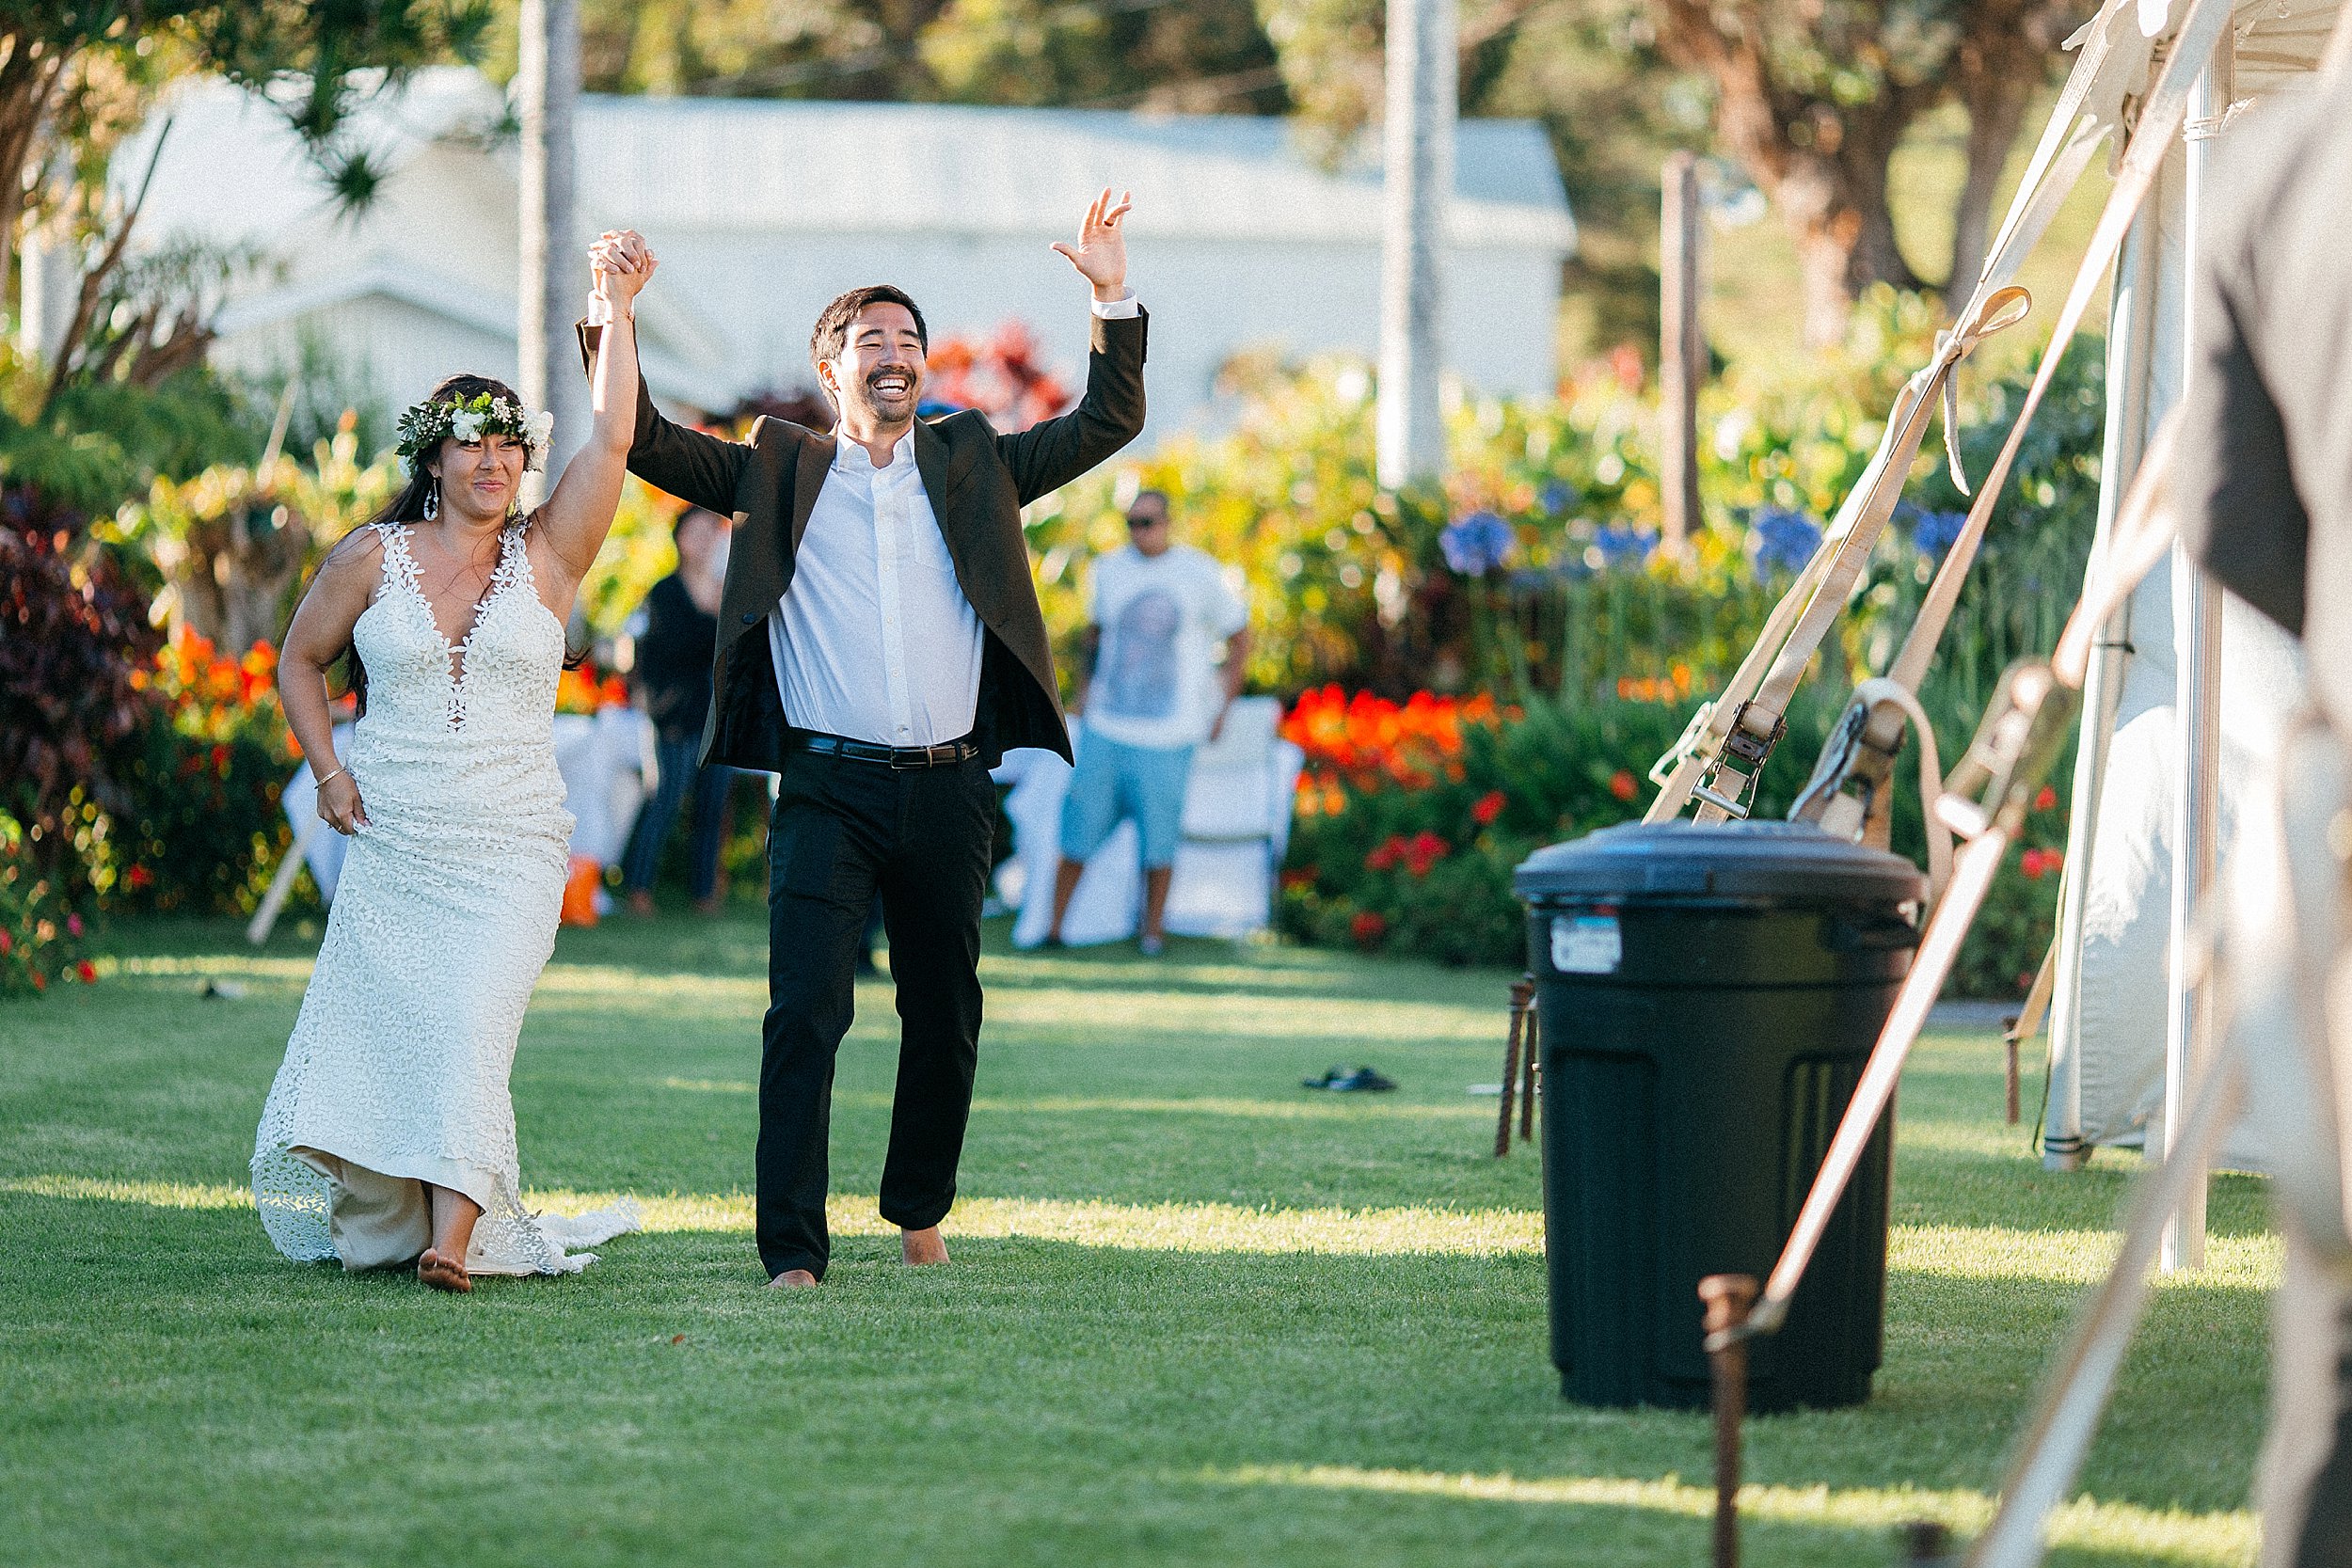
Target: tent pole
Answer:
pixel 2189 1013
pixel 2131 347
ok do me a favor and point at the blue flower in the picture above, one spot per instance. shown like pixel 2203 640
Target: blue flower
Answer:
pixel 1558 496
pixel 1623 544
pixel 1784 540
pixel 1933 533
pixel 1477 544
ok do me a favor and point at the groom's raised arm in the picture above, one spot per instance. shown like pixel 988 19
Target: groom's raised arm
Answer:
pixel 1051 453
pixel 698 468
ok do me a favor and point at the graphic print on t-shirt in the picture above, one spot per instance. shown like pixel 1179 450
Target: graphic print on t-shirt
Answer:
pixel 1139 676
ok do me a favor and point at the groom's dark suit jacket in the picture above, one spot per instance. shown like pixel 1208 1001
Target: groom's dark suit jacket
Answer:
pixel 977 482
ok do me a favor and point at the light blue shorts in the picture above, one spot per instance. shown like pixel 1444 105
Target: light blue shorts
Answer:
pixel 1115 782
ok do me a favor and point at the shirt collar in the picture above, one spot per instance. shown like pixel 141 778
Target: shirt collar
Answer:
pixel 853 456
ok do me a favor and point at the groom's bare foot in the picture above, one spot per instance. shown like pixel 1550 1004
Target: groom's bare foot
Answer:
pixel 922 1246
pixel 791 1279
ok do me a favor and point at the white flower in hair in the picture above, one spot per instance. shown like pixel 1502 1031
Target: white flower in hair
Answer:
pixel 539 428
pixel 466 425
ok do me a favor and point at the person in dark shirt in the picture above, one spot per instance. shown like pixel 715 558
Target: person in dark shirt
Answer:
pixel 674 658
pixel 2265 445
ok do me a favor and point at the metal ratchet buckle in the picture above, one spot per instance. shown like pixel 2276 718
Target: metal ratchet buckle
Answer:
pixel 2016 744
pixel 1751 748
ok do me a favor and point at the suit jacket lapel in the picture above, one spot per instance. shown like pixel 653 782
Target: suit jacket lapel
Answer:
pixel 808 478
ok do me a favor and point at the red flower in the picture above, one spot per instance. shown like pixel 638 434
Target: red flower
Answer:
pixel 8 944
pixel 87 970
pixel 1385 857
pixel 2038 863
pixel 1423 850
pixel 1623 786
pixel 139 876
pixel 1367 929
pixel 1490 806
pixel 2045 801
pixel 1298 877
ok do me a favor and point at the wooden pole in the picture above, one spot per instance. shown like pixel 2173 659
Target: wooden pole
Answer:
pixel 1681 350
pixel 1519 989
pixel 1417 187
pixel 551 275
pixel 1727 1298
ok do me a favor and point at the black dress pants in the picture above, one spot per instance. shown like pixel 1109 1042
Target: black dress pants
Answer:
pixel 843 830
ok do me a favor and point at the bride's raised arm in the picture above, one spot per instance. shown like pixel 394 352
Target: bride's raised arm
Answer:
pixel 579 513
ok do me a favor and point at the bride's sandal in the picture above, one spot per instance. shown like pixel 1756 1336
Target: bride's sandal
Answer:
pixel 444 1273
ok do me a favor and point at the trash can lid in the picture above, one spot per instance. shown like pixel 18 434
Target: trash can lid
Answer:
pixel 1770 860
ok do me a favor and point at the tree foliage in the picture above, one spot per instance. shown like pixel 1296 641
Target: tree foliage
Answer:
pixel 1181 56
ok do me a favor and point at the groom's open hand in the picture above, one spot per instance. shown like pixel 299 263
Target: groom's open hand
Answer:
pixel 1100 252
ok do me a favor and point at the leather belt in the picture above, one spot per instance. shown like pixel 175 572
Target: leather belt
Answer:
pixel 900 758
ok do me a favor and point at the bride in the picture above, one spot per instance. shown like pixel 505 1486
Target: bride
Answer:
pixel 388 1136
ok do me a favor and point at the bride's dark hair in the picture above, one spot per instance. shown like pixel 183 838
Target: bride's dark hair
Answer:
pixel 408 507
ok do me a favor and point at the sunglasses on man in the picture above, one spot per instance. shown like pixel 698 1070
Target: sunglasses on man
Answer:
pixel 1139 521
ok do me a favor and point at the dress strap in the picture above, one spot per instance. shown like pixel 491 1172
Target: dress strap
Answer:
pixel 399 566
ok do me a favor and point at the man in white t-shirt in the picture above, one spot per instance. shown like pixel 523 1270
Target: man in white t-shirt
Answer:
pixel 1152 690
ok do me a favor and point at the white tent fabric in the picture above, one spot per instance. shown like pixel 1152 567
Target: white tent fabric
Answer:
pixel 1237 818
pixel 2113 980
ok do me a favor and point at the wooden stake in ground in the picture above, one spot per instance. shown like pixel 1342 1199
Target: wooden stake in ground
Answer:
pixel 1522 996
pixel 1727 1299
pixel 1681 351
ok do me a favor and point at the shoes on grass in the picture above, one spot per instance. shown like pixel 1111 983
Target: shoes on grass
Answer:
pixel 1349 1080
pixel 1150 947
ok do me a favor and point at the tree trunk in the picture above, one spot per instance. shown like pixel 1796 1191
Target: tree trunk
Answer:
pixel 1997 73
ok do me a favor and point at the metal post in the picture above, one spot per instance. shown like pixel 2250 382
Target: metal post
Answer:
pixel 1418 184
pixel 2196 772
pixel 551 274
pixel 1681 351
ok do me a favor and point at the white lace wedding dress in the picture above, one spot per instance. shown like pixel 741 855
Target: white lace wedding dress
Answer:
pixel 443 918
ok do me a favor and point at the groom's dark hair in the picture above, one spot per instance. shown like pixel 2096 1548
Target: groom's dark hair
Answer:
pixel 832 322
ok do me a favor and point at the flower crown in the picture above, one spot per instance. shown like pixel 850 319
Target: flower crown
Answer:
pixel 427 425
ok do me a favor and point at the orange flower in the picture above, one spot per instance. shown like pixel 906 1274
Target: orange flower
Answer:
pixel 1623 784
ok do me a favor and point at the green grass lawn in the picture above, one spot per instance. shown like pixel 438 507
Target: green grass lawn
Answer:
pixel 1197 1314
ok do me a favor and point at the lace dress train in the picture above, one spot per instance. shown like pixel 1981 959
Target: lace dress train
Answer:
pixel 443 918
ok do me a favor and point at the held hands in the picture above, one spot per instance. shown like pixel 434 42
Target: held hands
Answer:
pixel 622 264
pixel 340 806
pixel 1101 253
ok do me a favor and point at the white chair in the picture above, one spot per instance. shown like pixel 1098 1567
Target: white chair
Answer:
pixel 1237 820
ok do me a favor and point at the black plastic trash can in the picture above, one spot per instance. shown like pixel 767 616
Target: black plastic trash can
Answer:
pixel 1708 997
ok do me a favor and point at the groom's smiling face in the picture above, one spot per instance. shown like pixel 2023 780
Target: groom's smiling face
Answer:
pixel 878 374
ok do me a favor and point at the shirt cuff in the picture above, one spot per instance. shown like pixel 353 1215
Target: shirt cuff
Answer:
pixel 1125 307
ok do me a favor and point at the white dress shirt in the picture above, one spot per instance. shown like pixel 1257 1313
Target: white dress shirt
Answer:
pixel 874 639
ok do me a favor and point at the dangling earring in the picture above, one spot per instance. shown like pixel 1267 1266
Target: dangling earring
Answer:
pixel 432 501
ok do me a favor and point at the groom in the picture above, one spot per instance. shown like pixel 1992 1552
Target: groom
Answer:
pixel 881 647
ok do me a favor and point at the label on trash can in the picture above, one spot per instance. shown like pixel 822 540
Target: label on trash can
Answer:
pixel 1586 943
